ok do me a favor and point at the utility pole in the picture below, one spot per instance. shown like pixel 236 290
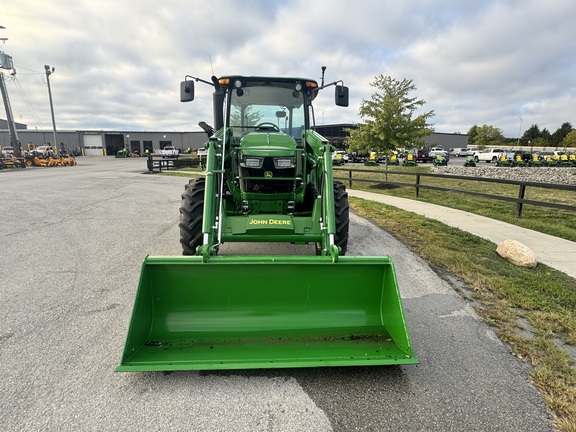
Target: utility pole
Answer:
pixel 50 71
pixel 519 131
pixel 6 63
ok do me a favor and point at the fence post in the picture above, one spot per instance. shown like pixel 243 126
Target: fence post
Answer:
pixel 417 184
pixel 150 163
pixel 519 205
pixel 350 179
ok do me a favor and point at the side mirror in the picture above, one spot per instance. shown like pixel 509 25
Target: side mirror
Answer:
pixel 341 95
pixel 186 91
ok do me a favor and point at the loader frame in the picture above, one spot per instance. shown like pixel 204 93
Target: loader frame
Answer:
pixel 208 311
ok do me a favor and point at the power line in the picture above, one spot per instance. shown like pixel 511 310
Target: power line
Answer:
pixel 28 104
pixel 36 72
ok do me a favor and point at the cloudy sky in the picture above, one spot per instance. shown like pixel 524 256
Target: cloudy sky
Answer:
pixel 118 63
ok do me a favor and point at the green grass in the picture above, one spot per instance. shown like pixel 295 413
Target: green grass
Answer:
pixel 560 223
pixel 533 310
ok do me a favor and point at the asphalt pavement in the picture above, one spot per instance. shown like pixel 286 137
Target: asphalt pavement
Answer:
pixel 555 252
pixel 72 240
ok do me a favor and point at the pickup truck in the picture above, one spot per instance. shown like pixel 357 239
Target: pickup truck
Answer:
pixel 7 151
pixel 489 155
pixel 169 151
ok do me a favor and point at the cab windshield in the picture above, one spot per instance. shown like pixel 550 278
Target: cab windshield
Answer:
pixel 266 106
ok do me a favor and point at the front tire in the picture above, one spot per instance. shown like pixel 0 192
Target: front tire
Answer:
pixel 342 219
pixel 191 216
pixel 342 216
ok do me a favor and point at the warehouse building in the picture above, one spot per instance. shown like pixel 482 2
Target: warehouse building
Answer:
pixel 107 143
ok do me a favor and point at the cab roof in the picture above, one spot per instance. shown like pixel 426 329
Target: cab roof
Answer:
pixel 232 78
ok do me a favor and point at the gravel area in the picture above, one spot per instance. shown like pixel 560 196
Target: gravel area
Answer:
pixel 557 175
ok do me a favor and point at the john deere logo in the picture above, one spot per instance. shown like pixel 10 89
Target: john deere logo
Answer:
pixel 268 174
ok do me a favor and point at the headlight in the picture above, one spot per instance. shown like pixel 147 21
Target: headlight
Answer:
pixel 283 163
pixel 251 162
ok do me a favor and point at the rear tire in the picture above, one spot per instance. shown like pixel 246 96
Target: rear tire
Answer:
pixel 191 216
pixel 342 215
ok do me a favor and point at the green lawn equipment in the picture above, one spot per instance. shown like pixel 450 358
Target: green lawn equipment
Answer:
pixel 503 161
pixel 122 153
pixel 371 160
pixel 268 178
pixel 410 160
pixel 469 162
pixel 440 160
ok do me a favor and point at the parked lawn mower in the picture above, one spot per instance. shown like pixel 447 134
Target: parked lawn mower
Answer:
pixel 409 160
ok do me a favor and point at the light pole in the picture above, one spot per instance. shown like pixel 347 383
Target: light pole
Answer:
pixel 519 131
pixel 6 63
pixel 50 71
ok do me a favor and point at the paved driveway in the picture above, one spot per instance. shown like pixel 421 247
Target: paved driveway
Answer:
pixel 71 243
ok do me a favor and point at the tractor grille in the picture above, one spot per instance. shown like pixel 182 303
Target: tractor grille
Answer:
pixel 268 179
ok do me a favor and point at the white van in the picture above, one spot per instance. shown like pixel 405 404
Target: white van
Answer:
pixel 458 152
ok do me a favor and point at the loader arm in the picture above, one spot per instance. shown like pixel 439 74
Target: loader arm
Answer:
pixel 213 176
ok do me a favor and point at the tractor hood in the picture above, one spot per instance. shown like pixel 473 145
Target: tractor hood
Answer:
pixel 264 144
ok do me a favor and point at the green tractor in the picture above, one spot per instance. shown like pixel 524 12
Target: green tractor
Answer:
pixel 268 178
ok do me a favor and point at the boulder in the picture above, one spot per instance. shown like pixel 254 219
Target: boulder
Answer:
pixel 517 253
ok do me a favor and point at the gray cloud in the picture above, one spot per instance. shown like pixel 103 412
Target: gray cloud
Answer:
pixel 119 63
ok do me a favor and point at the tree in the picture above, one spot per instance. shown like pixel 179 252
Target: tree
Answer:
pixel 531 133
pixel 539 142
pixel 388 118
pixel 546 136
pixel 561 133
pixel 472 134
pixel 487 136
pixel 250 118
pixel 569 139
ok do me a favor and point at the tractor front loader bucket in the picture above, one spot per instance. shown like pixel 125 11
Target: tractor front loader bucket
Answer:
pixel 250 312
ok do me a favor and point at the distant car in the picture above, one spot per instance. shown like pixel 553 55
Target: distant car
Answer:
pixel 201 151
pixel 45 151
pixel 7 151
pixel 544 155
pixel 423 156
pixel 458 151
pixel 470 151
pixel 488 155
pixel 169 151
pixel 436 148
pixel 355 157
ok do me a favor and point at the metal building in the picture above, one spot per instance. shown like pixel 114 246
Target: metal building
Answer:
pixel 105 143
